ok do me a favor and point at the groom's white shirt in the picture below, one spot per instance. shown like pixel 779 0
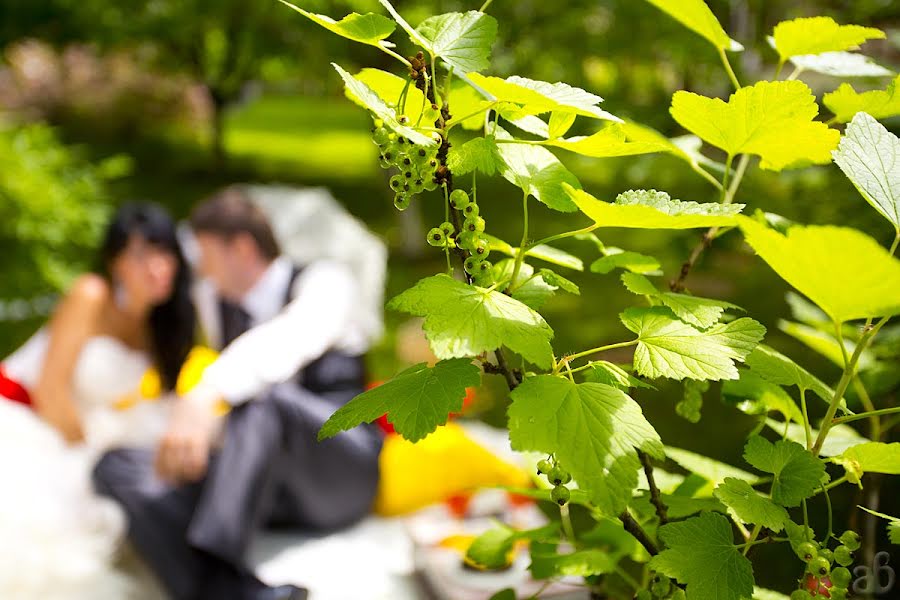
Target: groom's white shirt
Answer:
pixel 322 315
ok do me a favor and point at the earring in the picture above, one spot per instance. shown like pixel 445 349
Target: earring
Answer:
pixel 120 296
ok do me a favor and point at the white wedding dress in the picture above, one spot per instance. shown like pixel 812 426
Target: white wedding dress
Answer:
pixel 58 539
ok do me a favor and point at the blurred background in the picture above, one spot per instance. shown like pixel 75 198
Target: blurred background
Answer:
pixel 168 100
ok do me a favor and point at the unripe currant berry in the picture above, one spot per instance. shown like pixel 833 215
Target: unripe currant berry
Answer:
pixel 470 210
pixel 544 466
pixel 407 187
pixel 467 240
pixel 827 555
pixel 837 594
pixel 459 199
pixel 660 585
pixel 408 174
pixel 819 567
pixel 560 494
pixel 380 136
pixel 485 269
pixel 843 556
pixel 471 265
pixel 417 186
pixel 377 123
pixel 430 184
pixel 474 224
pixel 485 277
pixel 406 161
pixel 396 182
pixel 448 228
pixel 436 237
pixel 422 152
pixel 481 248
pixel 800 595
pixel 401 201
pixel 643 595
pixel 389 155
pixel 559 476
pixel 840 577
pixel 807 551
pixel 403 119
pixel 850 539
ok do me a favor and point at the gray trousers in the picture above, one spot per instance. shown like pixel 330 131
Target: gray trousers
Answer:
pixel 271 470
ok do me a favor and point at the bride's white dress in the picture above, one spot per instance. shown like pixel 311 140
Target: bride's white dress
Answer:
pixel 58 539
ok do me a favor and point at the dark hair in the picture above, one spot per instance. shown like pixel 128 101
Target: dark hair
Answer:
pixel 229 212
pixel 172 323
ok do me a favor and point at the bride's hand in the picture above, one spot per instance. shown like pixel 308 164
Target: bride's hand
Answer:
pixel 183 453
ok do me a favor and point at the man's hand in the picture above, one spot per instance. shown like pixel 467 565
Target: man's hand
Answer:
pixel 183 453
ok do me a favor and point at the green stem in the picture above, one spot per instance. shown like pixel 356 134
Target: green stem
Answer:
pixel 866 415
pixel 457 120
pixel 573 357
pixel 830 516
pixel 839 334
pixel 390 52
pixel 874 421
pixel 896 242
pixel 401 99
pixel 778 69
pixel 706 175
pixel 484 6
pixel 520 255
pixel 447 218
pixel 794 74
pixel 753 535
pixel 731 75
pixel 628 578
pixel 835 483
pixel 743 161
pixel 416 37
pixel 806 425
pixel 567 523
pixel 560 236
pixel 805 520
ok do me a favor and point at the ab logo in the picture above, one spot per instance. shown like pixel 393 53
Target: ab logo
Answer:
pixel 877 579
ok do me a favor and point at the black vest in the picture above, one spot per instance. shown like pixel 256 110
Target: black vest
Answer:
pixel 333 371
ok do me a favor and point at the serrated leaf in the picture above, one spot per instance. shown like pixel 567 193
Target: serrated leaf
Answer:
pixel 845 102
pixel 809 258
pixel 493 548
pixel 797 474
pixel 369 28
pixel 700 312
pixel 840 64
pixel 798 534
pixel 753 395
pixel 581 563
pixel 593 430
pixel 709 469
pixel 416 400
pixel 692 402
pixel 869 155
pixel 749 506
pixel 701 554
pixel 771 119
pixel 840 437
pixel 893 526
pixel 372 101
pixel 388 87
pixel 560 123
pixel 777 368
pixel 538 97
pixel 633 262
pixel 463 320
pixel 696 16
pixel 463 40
pixel 609 142
pixel 556 280
pixel 549 254
pixel 870 457
pixel 815 35
pixel 669 347
pixel 465 100
pixel 538 172
pixel 650 209
pixel 602 371
pixel 479 154
pixel 530 291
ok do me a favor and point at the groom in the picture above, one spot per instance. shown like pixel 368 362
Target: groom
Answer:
pixel 291 356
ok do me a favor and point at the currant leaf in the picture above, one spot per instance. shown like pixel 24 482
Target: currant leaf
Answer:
pixel 845 102
pixel 797 474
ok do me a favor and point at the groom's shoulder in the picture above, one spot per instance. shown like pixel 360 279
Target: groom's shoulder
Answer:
pixel 90 289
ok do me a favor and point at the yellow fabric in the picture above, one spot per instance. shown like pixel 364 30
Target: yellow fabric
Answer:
pixel 150 388
pixel 444 464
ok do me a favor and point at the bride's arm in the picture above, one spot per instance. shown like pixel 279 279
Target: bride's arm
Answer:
pixel 73 322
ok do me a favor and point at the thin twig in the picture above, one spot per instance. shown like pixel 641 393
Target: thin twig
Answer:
pixel 655 496
pixel 635 529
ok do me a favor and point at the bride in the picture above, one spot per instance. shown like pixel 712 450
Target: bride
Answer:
pixel 60 406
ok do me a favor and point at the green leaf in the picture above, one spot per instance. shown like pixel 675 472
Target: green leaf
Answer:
pixel 826 344
pixel 479 154
pixel 692 402
pixel 633 262
pixel 388 87
pixel 777 368
pixel 416 400
pixel 870 457
pixel 771 119
pixel 510 594
pixel 592 429
pixel 700 312
pixel 609 142
pixel 809 257
pixel 556 280
pixel 679 507
pixel 840 64
pixel 560 123
pixel 491 549
pixel 797 473
pixel 749 506
pixel 700 553
pixel 893 526
pixel 753 395
pixel 669 347
pixel 463 40
pixel 582 563
pixel 369 28
pixel 538 172
pixel 840 437
pixel 463 320
pixel 367 97
pixel 650 209
pixel 549 254
pixel 845 102
pixel 815 35
pixel 711 470
pixel 538 97
pixel 530 291
pixel 798 534
pixel 696 16
pixel 608 373
pixel 465 100
pixel 869 155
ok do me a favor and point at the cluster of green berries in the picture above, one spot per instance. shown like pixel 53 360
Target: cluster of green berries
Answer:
pixel 827 575
pixel 416 164
pixel 470 238
pixel 558 477
pixel 661 587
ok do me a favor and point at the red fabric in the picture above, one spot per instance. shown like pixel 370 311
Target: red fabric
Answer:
pixel 388 427
pixel 12 390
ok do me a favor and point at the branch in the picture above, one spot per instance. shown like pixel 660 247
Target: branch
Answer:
pixel 635 529
pixel 512 378
pixel 655 497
